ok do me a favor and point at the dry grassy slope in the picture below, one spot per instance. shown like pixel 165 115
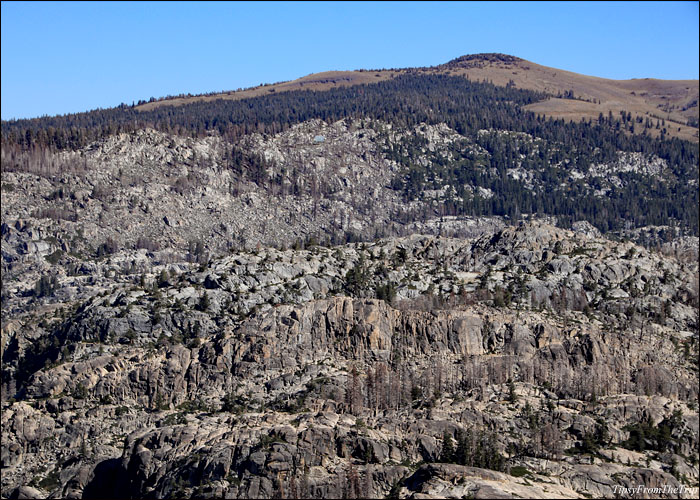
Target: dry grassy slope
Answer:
pixel 316 81
pixel 641 97
pixel 674 100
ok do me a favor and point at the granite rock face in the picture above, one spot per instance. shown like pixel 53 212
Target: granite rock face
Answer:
pixel 353 370
pixel 171 327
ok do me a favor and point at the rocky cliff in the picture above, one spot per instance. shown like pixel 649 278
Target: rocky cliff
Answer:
pixel 522 361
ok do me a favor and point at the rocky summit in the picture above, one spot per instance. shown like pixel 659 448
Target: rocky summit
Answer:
pixel 414 288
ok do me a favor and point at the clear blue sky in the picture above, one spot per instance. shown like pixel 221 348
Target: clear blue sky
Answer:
pixel 64 57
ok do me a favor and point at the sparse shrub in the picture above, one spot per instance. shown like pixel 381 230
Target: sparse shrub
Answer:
pixel 357 278
pixel 592 441
pixel 130 335
pixel 644 435
pixel 204 302
pixel 519 471
pixel 51 481
pixel 163 278
pixel 175 419
pixel 386 292
pixel 107 248
pixel 400 256
pixel 234 404
pixel 101 192
pixel 147 243
pixel 160 403
pixel 80 392
pixel 266 440
pixel 512 396
pixel 45 286
pixel 193 406
pixel 55 214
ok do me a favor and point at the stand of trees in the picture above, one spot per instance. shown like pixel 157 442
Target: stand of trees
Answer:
pixel 466 106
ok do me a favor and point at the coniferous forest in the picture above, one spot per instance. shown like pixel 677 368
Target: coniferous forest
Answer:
pixel 362 292
pixel 549 151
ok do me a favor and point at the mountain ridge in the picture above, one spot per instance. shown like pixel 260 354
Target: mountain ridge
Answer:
pixel 415 288
pixel 673 100
pixel 233 377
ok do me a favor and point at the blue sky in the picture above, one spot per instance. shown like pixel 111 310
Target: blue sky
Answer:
pixel 65 57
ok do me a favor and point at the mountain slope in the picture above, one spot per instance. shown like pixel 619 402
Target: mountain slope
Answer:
pixel 673 100
pixel 236 379
pixel 184 199
pixel 413 288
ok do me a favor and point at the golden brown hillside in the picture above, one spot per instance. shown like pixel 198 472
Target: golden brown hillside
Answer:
pixel 315 81
pixel 672 101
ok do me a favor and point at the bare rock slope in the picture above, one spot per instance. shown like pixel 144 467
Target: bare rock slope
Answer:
pixel 524 361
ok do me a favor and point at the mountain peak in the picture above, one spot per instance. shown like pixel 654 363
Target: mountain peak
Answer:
pixel 484 57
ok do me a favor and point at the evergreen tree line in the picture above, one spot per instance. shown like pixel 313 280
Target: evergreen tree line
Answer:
pixel 474 450
pixel 408 100
pixel 641 199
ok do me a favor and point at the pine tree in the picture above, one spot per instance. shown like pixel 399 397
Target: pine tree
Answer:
pixel 447 455
pixel 204 302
